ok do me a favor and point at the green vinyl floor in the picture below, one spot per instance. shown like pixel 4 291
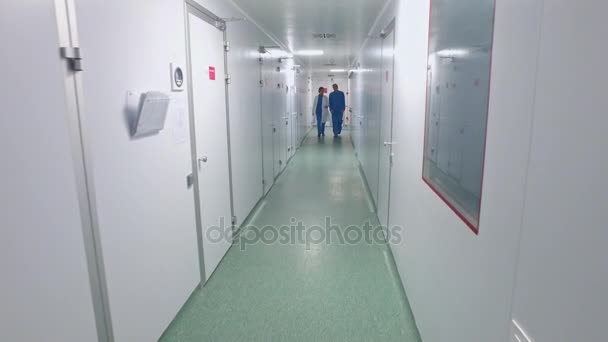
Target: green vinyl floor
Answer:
pixel 277 285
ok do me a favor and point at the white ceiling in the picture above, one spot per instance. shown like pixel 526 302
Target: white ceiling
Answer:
pixel 294 22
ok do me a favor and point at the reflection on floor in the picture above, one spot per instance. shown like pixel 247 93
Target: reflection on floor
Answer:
pixel 291 289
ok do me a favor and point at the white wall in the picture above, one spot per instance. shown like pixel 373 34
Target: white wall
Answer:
pixel 245 121
pixel 304 100
pixel 459 284
pixel 543 184
pixel 146 212
pixel 366 103
pixel 44 286
pixel 563 266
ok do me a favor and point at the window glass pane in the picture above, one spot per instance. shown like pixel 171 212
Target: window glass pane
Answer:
pixel 458 85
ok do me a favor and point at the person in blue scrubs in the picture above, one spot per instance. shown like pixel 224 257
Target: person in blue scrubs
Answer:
pixel 321 111
pixel 337 105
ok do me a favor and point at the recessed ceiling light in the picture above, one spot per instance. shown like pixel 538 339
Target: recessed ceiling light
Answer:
pixel 453 53
pixel 310 53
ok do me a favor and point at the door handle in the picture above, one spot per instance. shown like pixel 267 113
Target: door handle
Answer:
pixel 386 143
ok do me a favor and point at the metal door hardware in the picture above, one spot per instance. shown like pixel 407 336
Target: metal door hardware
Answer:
pixel 391 143
pixel 73 55
pixel 190 180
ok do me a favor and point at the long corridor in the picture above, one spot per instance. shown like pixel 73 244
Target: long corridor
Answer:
pixel 272 289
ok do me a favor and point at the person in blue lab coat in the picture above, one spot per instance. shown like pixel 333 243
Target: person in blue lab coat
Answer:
pixel 337 105
pixel 320 110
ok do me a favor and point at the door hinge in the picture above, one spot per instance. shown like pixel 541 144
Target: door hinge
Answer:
pixel 234 220
pixel 261 84
pixel 263 182
pixel 227 46
pixel 74 56
pixel 228 79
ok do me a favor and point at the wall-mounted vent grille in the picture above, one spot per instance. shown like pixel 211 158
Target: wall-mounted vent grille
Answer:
pixel 324 35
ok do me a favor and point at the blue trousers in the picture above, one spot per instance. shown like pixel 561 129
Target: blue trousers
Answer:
pixel 337 122
pixel 320 125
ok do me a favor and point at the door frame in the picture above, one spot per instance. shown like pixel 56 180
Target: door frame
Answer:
pixel 265 87
pixel 67 29
pixel 390 28
pixel 192 7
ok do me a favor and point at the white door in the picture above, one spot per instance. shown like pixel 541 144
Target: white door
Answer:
pixel 292 122
pixel 285 126
pixel 210 140
pixel 267 123
pixel 386 128
pixel 278 121
pixel 294 118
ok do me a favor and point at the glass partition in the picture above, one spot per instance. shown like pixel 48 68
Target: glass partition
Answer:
pixel 458 85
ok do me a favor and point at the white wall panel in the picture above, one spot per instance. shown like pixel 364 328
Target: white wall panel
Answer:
pixel 459 284
pixel 45 294
pixel 146 211
pixel 368 95
pixel 304 100
pixel 245 116
pixel 563 271
pixel 355 85
pixel 268 126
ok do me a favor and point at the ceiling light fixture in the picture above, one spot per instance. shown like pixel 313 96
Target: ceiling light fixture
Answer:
pixel 310 53
pixel 337 70
pixel 447 53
